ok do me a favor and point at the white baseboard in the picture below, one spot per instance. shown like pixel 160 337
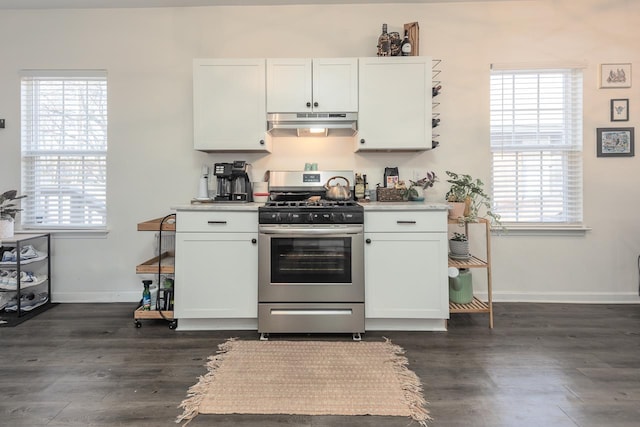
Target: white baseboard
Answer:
pixel 94 297
pixel 566 297
pixel 539 297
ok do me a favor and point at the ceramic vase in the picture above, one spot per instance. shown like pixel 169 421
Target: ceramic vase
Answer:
pixel 6 228
pixel 459 248
pixel 456 209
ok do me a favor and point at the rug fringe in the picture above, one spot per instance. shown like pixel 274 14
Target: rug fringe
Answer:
pixel 196 392
pixel 410 383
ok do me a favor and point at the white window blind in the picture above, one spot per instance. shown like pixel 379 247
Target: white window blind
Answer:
pixel 536 145
pixel 64 149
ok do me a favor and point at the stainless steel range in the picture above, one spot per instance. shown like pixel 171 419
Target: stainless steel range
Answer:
pixel 311 257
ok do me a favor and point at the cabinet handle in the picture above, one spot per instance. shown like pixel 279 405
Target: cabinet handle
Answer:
pixel 362 141
pixel 254 241
pixel 405 222
pixel 216 222
pixel 308 104
pixel 262 142
pixel 368 241
pixel 315 104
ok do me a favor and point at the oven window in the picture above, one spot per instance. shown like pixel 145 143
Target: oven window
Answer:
pixel 311 260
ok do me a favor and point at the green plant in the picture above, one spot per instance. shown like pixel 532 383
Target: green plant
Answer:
pixel 424 183
pixel 465 188
pixel 8 209
pixel 459 237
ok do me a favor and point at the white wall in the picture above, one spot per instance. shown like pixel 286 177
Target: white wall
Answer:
pixel 152 166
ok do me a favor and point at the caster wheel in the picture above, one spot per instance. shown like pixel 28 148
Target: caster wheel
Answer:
pixel 173 325
pixel 138 324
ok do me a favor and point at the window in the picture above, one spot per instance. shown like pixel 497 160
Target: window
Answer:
pixel 64 149
pixel 536 146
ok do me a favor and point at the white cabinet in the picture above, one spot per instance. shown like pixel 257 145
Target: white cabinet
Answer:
pixel 216 265
pixel 394 104
pixel 405 268
pixel 229 105
pixel 319 85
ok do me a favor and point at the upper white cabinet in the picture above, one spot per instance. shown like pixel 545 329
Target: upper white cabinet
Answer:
pixel 319 85
pixel 229 105
pixel 394 103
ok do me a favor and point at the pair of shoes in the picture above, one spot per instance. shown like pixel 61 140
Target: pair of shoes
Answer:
pixel 9 256
pixel 10 281
pixel 28 301
pixel 28 252
pixel 4 276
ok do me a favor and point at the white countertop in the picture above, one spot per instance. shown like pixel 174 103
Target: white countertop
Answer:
pixel 404 206
pixel 368 206
pixel 219 206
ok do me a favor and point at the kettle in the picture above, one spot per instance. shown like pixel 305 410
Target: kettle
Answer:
pixel 337 192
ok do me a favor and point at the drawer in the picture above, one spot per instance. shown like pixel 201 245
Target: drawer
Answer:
pixel 410 222
pixel 217 222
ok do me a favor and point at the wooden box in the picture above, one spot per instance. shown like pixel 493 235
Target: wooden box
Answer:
pixel 388 195
pixel 414 37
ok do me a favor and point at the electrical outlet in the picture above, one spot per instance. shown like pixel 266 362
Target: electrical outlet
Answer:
pixel 1 123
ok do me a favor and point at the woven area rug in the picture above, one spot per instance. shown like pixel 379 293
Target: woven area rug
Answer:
pixel 307 378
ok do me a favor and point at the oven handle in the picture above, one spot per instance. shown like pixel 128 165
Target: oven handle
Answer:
pixel 313 231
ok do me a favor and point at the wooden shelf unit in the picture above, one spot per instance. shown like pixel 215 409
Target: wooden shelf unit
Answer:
pixel 163 263
pixel 475 306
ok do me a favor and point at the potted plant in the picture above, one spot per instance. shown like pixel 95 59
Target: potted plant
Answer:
pixel 468 194
pixel 8 211
pixel 412 193
pixel 459 246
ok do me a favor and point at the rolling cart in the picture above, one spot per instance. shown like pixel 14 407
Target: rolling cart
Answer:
pixel 162 264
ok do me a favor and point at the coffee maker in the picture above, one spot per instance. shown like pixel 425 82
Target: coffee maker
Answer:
pixel 233 183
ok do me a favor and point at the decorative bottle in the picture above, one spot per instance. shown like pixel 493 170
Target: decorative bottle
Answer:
pixel 146 295
pixel 384 42
pixel 405 47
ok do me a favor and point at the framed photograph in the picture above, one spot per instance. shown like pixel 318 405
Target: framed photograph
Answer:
pixel 619 110
pixel 615 75
pixel 615 142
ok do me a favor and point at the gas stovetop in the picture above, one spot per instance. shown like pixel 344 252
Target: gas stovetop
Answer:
pixel 304 204
pixel 311 212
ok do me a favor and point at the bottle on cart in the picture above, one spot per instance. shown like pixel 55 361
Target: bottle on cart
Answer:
pixel 405 47
pixel 146 295
pixel 384 42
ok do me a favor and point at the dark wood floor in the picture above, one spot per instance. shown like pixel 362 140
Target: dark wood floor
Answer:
pixel 542 365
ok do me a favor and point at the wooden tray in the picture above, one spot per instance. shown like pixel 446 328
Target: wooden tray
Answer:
pixel 151 266
pixel 154 225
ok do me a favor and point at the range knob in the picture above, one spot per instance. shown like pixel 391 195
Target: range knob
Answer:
pixel 310 218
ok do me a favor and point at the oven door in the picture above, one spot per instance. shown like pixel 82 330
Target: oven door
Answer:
pixel 311 263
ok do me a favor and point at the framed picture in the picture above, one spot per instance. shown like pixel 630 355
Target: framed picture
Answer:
pixel 615 75
pixel 615 142
pixel 619 110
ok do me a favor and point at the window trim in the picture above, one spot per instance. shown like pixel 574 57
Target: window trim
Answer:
pixel 539 227
pixel 28 77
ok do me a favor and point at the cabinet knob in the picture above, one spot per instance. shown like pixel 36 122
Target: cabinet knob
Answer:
pixel 315 104
pixel 254 241
pixel 368 241
pixel 362 141
pixel 262 142
pixel 308 104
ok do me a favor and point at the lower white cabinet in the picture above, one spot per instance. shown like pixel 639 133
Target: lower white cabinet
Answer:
pixel 216 269
pixel 406 269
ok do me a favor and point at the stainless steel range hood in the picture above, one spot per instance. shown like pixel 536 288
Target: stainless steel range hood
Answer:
pixel 312 124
